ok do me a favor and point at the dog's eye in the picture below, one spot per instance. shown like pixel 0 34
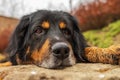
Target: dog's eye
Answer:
pixel 66 32
pixel 39 30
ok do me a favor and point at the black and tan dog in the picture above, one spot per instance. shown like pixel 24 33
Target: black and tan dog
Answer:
pixel 51 39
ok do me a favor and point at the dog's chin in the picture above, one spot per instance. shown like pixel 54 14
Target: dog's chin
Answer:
pixel 55 63
pixel 51 64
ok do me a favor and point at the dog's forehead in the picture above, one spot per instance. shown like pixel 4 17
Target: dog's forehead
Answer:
pixel 46 18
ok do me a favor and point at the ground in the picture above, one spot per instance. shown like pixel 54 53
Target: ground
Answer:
pixel 81 71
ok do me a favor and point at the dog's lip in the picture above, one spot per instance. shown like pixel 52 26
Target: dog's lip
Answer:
pixel 61 66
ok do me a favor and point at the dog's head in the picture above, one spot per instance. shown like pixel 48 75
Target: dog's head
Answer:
pixel 47 38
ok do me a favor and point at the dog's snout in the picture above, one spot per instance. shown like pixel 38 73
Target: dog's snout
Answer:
pixel 60 50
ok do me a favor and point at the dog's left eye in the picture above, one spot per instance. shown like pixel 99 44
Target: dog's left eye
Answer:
pixel 39 30
pixel 66 32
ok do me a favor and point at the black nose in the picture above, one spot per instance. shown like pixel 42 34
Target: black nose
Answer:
pixel 60 50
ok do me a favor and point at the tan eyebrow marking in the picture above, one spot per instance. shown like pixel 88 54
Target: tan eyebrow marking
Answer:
pixel 45 24
pixel 62 25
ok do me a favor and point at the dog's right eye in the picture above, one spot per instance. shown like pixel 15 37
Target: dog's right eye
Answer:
pixel 39 30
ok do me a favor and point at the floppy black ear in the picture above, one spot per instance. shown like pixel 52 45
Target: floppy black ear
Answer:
pixel 79 42
pixel 17 39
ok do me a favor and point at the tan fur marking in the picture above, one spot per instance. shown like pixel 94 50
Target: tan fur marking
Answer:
pixel 28 50
pixel 39 55
pixel 45 24
pixel 6 64
pixel 62 25
pixel 103 55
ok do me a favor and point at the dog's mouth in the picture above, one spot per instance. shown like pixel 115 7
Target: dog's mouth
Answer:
pixel 57 64
pixel 61 66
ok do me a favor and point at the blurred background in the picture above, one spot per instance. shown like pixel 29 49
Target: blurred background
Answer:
pixel 99 20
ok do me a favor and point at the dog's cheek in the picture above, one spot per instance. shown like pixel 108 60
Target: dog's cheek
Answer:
pixel 72 58
pixel 39 55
